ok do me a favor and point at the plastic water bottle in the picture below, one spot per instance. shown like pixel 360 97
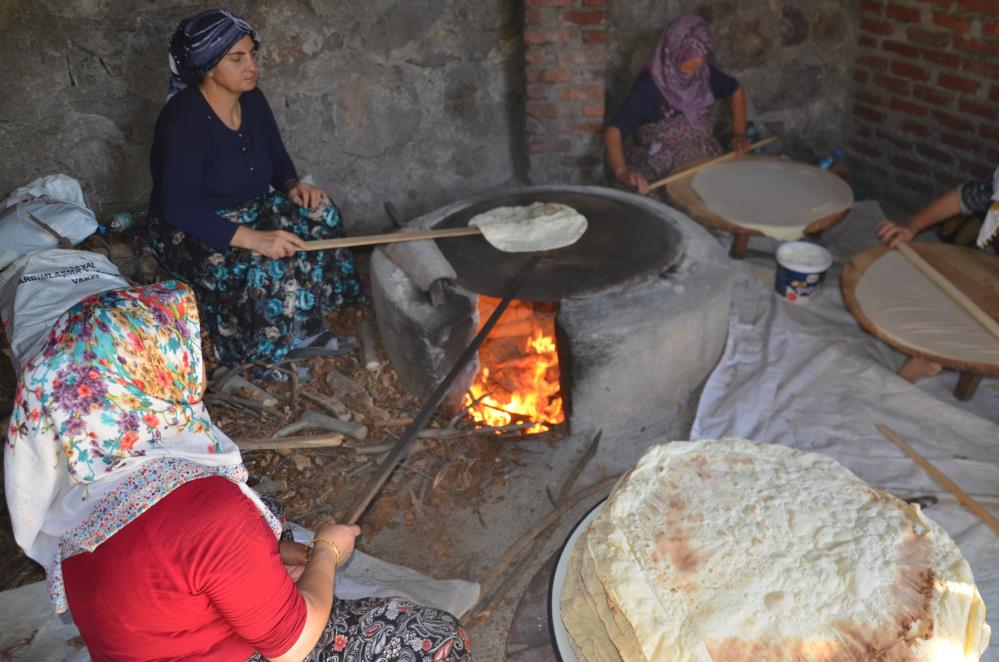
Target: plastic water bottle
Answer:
pixel 123 221
pixel 827 162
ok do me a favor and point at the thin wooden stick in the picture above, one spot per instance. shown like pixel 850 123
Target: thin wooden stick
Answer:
pixel 288 443
pixel 391 238
pixel 701 166
pixel 500 593
pixel 938 475
pixel 959 297
pixel 489 580
pixel 452 433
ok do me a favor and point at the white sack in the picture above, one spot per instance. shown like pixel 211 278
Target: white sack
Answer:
pixel 58 187
pixel 19 235
pixel 38 288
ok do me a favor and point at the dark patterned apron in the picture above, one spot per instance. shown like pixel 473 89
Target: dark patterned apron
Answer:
pixel 657 148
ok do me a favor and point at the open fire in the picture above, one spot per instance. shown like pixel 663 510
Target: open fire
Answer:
pixel 519 378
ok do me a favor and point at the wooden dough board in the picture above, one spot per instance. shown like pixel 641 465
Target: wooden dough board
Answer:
pixel 681 193
pixel 972 271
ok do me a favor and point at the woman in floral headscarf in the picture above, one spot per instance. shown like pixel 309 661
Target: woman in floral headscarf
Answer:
pixel 666 112
pixel 229 214
pixel 137 507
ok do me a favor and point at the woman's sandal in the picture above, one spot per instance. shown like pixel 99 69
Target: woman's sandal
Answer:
pixel 323 345
pixel 277 376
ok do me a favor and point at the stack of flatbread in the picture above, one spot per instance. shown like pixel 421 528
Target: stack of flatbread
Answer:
pixel 729 550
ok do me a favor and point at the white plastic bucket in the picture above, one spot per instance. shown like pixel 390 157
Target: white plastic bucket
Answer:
pixel 801 268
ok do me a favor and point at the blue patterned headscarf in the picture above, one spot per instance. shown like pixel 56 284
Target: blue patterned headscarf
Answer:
pixel 200 42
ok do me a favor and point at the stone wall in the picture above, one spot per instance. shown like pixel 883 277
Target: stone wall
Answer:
pixel 793 57
pixel 418 102
pixel 926 101
pixel 414 102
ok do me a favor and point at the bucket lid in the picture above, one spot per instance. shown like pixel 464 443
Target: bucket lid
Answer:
pixel 804 257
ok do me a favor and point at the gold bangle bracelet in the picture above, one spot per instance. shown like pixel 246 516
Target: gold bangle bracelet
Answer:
pixel 336 550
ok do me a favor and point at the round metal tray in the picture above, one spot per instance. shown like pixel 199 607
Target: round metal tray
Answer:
pixel 559 635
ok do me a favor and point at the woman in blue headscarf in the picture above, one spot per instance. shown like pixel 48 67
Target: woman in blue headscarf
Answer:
pixel 229 214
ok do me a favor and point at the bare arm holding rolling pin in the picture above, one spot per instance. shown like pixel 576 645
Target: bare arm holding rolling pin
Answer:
pixel 893 234
pixel 973 197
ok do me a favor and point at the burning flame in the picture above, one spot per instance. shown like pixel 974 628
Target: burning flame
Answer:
pixel 519 380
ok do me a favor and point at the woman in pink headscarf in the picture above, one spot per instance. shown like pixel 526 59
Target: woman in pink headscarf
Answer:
pixel 666 112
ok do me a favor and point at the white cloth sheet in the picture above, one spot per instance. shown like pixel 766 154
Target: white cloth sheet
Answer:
pixel 807 376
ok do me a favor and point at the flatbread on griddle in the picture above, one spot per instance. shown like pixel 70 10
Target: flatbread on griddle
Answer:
pixel 541 226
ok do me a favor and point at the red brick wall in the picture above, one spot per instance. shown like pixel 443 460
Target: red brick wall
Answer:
pixel 926 96
pixel 564 72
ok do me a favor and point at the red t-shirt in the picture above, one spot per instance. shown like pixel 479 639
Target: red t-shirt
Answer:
pixel 197 576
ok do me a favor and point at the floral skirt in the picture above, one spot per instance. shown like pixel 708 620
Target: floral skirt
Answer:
pixel 658 148
pixel 388 630
pixel 255 308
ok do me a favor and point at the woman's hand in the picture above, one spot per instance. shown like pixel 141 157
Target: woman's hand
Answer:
pixel 633 179
pixel 342 535
pixel 615 159
pixel 894 234
pixel 307 195
pixel 275 244
pixel 740 144
pixel 317 583
pixel 293 558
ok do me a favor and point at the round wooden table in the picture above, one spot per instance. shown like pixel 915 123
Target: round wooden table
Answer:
pixel 682 194
pixel 972 271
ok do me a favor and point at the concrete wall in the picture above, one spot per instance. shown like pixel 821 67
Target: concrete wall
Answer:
pixel 926 97
pixel 793 57
pixel 413 101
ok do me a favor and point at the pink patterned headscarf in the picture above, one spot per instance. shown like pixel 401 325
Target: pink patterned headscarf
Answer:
pixel 684 39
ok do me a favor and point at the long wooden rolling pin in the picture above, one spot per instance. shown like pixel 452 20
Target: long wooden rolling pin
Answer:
pixel 939 476
pixel 701 166
pixel 391 238
pixel 949 289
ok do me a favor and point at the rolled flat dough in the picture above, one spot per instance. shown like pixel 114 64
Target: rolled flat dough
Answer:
pixel 541 226
pixel 774 196
pixel 906 306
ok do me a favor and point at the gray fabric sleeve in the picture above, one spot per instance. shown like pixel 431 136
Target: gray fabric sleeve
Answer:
pixel 976 196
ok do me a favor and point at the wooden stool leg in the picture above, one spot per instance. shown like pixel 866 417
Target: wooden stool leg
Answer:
pixel 739 244
pixel 967 384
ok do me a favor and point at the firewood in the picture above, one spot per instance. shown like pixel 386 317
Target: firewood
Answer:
pixel 289 443
pixel 369 347
pixel 311 419
pixel 344 384
pixel 237 382
pixel 331 404
pixel 244 404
